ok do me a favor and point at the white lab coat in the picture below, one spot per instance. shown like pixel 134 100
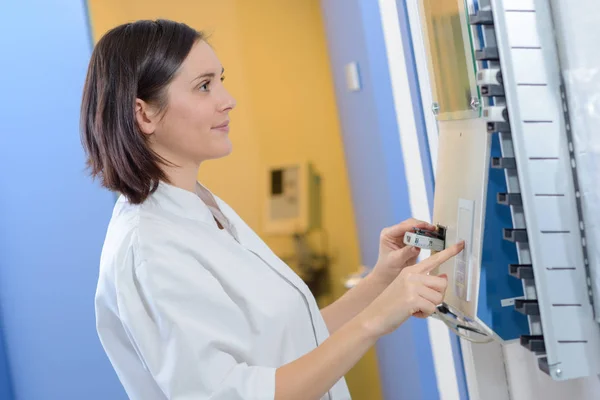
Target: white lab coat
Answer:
pixel 186 311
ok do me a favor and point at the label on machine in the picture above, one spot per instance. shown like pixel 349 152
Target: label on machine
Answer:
pixel 462 262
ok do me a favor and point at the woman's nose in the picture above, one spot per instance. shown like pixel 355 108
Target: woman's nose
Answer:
pixel 229 102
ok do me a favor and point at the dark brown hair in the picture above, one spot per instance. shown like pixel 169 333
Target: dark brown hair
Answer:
pixel 134 60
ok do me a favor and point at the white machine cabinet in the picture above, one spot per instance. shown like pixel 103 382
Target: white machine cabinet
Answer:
pixel 522 184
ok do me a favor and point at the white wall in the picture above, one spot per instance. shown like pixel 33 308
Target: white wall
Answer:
pixel 527 382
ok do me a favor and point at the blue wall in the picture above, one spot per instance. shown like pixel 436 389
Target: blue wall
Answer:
pixel 53 218
pixel 377 176
pixel 5 381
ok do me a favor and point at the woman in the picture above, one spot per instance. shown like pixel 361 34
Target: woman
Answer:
pixel 191 304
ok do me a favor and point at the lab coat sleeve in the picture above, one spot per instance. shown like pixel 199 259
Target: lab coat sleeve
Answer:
pixel 190 330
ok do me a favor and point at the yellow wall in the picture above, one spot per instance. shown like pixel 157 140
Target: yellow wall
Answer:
pixel 275 56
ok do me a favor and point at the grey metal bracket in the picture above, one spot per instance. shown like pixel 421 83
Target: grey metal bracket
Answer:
pixel 504 162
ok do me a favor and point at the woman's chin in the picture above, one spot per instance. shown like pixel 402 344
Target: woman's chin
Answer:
pixel 223 150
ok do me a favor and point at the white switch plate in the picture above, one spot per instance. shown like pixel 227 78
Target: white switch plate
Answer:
pixel 352 77
pixel 462 262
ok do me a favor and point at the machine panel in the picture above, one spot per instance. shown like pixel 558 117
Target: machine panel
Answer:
pixel 510 188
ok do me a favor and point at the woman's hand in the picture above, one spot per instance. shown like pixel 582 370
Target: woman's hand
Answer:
pixel 412 293
pixel 394 255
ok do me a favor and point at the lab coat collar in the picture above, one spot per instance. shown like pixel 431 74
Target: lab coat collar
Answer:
pixel 183 203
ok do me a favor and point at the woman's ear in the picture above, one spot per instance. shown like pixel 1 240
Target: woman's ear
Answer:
pixel 146 117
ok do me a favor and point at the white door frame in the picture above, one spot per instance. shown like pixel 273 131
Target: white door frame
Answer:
pixel 418 40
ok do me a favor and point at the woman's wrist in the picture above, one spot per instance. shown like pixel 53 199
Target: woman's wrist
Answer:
pixel 369 324
pixel 371 319
pixel 378 278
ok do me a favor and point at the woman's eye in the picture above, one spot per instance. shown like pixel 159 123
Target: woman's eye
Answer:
pixel 204 86
pixel 222 78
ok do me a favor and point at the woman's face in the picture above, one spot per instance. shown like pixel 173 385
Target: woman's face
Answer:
pixel 195 124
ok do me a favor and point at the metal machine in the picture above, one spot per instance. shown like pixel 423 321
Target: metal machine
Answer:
pixel 522 189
